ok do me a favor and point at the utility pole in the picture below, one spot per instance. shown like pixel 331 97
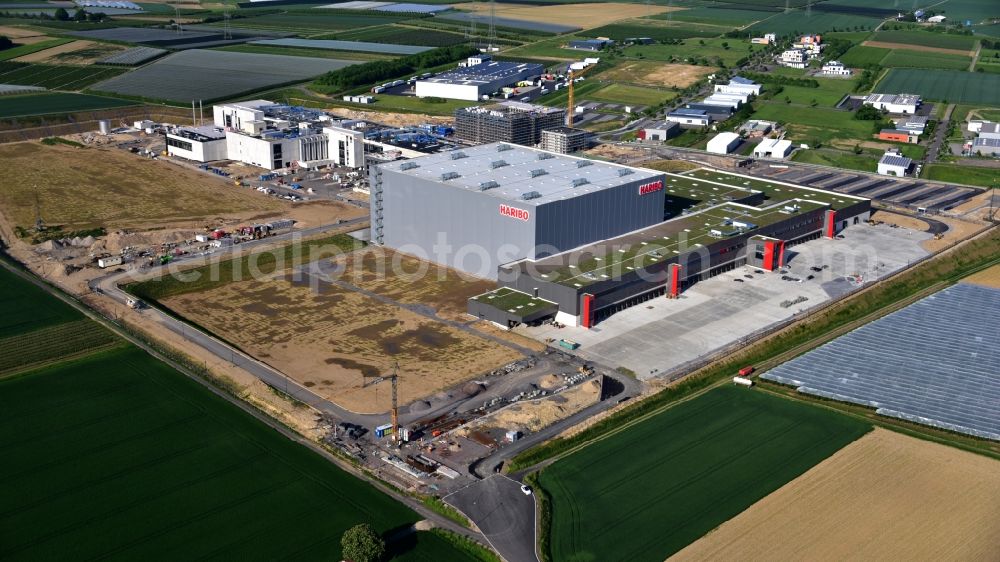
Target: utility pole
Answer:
pixel 394 379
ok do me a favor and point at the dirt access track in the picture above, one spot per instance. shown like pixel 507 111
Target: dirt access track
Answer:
pixel 327 336
pixel 652 73
pixel 886 496
pixel 581 15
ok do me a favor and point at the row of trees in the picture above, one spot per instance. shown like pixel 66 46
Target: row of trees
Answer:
pixel 59 15
pixel 783 80
pixel 380 70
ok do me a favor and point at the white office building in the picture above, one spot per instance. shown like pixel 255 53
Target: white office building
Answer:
pixel 894 103
pixel 835 68
pixel 794 58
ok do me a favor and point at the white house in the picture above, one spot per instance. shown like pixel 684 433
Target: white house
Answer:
pixel 773 148
pixel 894 103
pixel 723 143
pixel 794 58
pixel 835 68
pixel 894 164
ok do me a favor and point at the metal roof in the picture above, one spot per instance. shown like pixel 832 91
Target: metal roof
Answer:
pixel 982 141
pixel 686 112
pixel 897 99
pixel 512 172
pixel 894 160
pixel 485 73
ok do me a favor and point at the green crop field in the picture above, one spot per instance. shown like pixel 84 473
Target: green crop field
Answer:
pixel 927 39
pixel 647 492
pixel 48 344
pixel 305 52
pixel 714 15
pixel 21 50
pixel 26 307
pixel 619 31
pixel 830 91
pixel 799 22
pixel 859 56
pixel 951 85
pixel 54 77
pixel 969 175
pixel 628 95
pixel 316 20
pixel 903 58
pixel 694 49
pixel 41 104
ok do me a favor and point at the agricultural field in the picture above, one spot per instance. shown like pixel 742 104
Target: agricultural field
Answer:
pixel 861 56
pixel 52 343
pixel 399 35
pixel 326 336
pixel 916 39
pixel 658 30
pixel 28 308
pixel 944 85
pixel 969 175
pixel 799 22
pixel 210 75
pixel 654 73
pixel 727 51
pixel 304 52
pixel 135 192
pixel 646 493
pixel 945 508
pixel 719 14
pixel 42 104
pixel 26 49
pixel 829 93
pixel 502 23
pixel 628 95
pixel 77 52
pixel 810 124
pixel 54 77
pixel 298 22
pixel 911 59
pixel 579 15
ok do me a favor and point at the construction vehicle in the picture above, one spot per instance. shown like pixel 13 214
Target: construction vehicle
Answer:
pixel 571 75
pixel 394 378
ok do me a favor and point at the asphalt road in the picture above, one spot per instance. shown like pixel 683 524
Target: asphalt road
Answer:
pixel 504 514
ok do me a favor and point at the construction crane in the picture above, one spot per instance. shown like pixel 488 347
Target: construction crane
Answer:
pixel 572 75
pixel 394 378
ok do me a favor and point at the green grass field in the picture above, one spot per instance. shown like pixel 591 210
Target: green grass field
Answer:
pixel 830 91
pixel 969 175
pixel 398 35
pixel 628 95
pixel 715 15
pixel 42 104
pixel 26 307
pixel 21 50
pixel 647 492
pixel 939 85
pixel 54 77
pixel 859 55
pixel 808 124
pixel 927 39
pixel 902 58
pixel 619 31
pixel 799 22
pixel 316 20
pixel 693 48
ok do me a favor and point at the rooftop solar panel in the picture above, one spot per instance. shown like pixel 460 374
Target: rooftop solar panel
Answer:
pixel 935 362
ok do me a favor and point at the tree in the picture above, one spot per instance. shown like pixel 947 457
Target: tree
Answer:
pixel 80 15
pixel 61 14
pixel 361 543
pixel 5 43
pixel 868 113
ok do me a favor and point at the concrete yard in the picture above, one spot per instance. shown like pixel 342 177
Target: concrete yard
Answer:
pixel 660 335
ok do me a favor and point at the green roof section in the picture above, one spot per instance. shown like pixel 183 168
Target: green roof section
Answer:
pixel 515 302
pixel 775 191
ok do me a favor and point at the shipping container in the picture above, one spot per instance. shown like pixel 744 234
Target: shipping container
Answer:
pixel 568 344
pixel 109 262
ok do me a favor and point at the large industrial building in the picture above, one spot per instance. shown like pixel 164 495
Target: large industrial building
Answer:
pixel 720 221
pixel 479 77
pixel 508 121
pixel 481 207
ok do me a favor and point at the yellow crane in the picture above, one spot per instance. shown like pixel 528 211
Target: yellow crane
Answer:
pixel 572 75
pixel 394 378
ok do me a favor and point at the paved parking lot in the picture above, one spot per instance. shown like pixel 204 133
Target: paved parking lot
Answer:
pixel 659 335
pixel 503 513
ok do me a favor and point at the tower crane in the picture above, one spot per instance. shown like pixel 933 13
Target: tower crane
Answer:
pixel 394 378
pixel 572 75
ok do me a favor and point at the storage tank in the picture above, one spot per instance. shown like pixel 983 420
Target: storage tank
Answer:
pixel 104 126
pixel 743 381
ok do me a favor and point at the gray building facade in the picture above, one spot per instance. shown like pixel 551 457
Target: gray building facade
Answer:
pixel 489 205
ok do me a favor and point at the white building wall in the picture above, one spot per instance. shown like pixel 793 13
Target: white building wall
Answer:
pixel 744 89
pixel 353 146
pixel 700 121
pixel 200 151
pixel 890 170
pixel 470 92
pixel 250 150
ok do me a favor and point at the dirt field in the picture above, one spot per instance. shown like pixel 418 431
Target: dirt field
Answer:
pixel 654 73
pixel 987 278
pixel 538 414
pixel 90 187
pixel 327 338
pixel 582 15
pixel 884 497
pixel 74 52
pixel 908 47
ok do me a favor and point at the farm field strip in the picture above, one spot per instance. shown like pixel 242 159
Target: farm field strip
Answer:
pixel 52 343
pixel 712 457
pixel 27 307
pixel 951 85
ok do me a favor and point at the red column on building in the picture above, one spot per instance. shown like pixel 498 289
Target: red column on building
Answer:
pixel 768 264
pixel 586 316
pixel 830 223
pixel 781 254
pixel 674 288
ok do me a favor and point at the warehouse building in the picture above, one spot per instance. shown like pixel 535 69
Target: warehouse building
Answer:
pixel 727 221
pixel 773 148
pixel 201 144
pixel 508 121
pixel 723 143
pixel 480 207
pixel 893 103
pixel 739 85
pixel 687 117
pixel 564 140
pixel 893 163
pixel 480 77
pixel 661 131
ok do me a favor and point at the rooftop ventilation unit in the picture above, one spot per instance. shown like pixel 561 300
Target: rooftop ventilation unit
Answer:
pixel 503 147
pixel 624 172
pixel 498 164
pixel 538 172
pixel 450 176
pixel 408 166
pixel 531 195
pixel 545 156
pixel 488 185
pixel 458 155
pixel 577 182
pixel 583 163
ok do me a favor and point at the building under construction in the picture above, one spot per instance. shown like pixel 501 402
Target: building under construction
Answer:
pixel 508 121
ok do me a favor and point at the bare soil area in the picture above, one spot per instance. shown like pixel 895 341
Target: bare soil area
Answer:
pixel 75 52
pixel 988 277
pixel 886 496
pixel 908 47
pixel 653 73
pixel 389 118
pixel 82 188
pixel 327 338
pixel 530 417
pixel 582 15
